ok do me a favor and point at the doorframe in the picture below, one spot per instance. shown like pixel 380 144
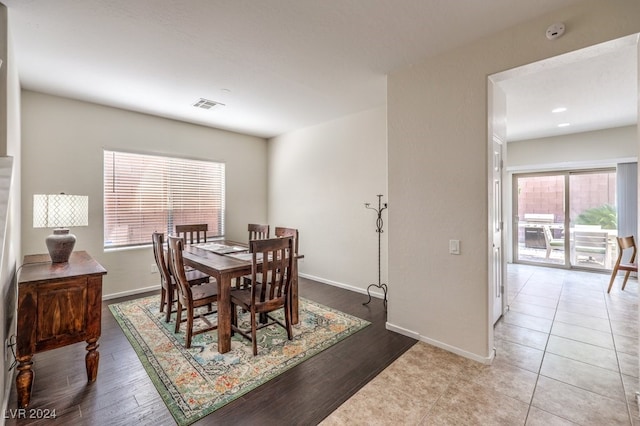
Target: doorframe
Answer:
pixel 492 83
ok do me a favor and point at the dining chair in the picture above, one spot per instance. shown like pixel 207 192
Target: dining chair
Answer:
pixel 624 243
pixel 292 232
pixel 288 232
pixel 272 258
pixel 167 281
pixel 191 298
pixel 258 232
pixel 196 233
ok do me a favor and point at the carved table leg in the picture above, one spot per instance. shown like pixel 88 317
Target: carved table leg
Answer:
pixel 24 380
pixel 92 359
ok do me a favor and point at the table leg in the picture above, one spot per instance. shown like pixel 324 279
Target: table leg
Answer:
pixel 24 380
pixel 92 359
pixel 224 313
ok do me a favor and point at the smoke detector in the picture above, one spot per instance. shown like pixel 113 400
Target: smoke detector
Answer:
pixel 555 30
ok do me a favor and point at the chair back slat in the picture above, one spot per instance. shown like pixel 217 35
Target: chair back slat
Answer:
pixel 193 234
pixel 273 258
pixel 258 232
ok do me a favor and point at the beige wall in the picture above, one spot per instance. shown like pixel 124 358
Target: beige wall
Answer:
pixel 319 179
pixel 62 147
pixel 602 147
pixel 437 124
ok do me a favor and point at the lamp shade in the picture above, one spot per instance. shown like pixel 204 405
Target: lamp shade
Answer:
pixel 60 210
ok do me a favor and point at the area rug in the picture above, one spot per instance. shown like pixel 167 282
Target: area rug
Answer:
pixel 197 381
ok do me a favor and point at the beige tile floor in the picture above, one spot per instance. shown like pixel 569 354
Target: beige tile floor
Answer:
pixel 566 354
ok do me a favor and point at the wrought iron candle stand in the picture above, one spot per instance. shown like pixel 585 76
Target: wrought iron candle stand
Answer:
pixel 379 224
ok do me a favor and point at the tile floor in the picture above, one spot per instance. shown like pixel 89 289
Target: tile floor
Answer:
pixel 566 354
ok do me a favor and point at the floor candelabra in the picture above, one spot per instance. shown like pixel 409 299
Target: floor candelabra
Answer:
pixel 379 224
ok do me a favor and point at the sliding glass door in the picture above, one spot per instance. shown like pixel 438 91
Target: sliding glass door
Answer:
pixel 540 203
pixel 566 219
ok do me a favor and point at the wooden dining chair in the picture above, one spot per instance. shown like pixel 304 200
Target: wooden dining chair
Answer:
pixel 190 297
pixel 167 281
pixel 193 234
pixel 624 243
pixel 292 232
pixel 258 232
pixel 272 258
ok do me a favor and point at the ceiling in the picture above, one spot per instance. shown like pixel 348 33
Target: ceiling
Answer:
pixel 281 65
pixel 598 87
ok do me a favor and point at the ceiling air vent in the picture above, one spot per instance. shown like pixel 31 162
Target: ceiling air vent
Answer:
pixel 207 104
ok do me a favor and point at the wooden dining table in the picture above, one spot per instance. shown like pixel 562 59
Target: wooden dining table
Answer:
pixel 225 268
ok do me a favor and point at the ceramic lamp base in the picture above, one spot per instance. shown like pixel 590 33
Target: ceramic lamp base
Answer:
pixel 60 245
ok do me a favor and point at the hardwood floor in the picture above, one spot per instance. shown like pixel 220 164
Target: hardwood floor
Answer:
pixel 124 395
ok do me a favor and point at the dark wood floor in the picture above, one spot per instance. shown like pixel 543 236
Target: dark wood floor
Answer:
pixel 124 395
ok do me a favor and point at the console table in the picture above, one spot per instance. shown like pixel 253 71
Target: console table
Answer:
pixel 58 304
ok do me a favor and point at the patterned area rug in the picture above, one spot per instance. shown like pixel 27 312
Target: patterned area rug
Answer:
pixel 197 381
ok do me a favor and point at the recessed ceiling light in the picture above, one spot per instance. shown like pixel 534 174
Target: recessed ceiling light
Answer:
pixel 564 124
pixel 560 109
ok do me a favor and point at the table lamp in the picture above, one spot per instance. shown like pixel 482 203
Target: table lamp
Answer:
pixel 60 211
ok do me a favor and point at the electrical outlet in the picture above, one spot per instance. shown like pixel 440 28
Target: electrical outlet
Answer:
pixel 154 268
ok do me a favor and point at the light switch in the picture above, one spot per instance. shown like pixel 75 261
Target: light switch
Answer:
pixel 454 246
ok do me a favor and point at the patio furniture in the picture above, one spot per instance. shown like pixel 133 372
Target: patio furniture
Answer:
pixel 591 245
pixel 624 243
pixel 552 243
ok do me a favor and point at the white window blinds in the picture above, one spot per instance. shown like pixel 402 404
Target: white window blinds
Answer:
pixel 147 193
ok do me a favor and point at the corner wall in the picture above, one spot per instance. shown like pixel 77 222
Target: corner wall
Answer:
pixel 437 123
pixel 319 179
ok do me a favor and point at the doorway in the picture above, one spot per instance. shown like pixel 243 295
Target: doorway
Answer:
pixel 543 153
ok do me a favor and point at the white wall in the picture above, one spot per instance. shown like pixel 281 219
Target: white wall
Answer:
pixel 437 124
pixel 319 179
pixel 62 147
pixel 601 147
pixel 10 233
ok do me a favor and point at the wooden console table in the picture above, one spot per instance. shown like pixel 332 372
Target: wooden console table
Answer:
pixel 58 304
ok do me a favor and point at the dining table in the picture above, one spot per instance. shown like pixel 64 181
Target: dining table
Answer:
pixel 225 266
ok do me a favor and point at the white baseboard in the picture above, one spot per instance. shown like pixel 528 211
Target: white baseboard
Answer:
pixel 130 292
pixel 375 294
pixel 484 360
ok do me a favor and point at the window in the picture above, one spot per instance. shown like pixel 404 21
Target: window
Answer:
pixel 147 193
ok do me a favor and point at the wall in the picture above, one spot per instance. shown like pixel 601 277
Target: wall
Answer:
pixel 63 141
pixel 437 156
pixel 319 179
pixel 9 234
pixel 599 148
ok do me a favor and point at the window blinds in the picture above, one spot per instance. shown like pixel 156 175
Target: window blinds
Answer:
pixel 147 193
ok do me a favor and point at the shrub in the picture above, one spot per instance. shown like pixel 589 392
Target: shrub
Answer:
pixel 604 215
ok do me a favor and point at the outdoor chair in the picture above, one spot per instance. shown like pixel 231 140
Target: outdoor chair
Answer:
pixel 624 243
